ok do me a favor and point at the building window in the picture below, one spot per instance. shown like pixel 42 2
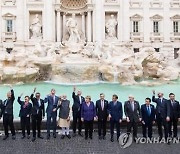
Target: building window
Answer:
pixel 135 26
pixel 136 50
pixel 8 50
pixel 156 27
pixel 176 53
pixel 9 26
pixel 176 26
pixel 156 49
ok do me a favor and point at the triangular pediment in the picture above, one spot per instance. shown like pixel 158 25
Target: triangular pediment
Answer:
pixel 8 15
pixel 176 17
pixel 136 16
pixel 157 17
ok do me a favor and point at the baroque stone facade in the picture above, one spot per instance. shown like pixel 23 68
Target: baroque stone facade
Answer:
pixel 95 30
pixel 154 23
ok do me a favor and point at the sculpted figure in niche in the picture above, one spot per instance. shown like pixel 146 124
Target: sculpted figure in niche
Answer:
pixel 111 27
pixel 72 27
pixel 36 27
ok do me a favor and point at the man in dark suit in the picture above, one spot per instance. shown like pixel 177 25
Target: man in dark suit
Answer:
pixel 133 115
pixel 51 111
pixel 148 117
pixel 102 114
pixel 162 114
pixel 175 114
pixel 25 114
pixel 76 109
pixel 7 113
pixel 1 104
pixel 38 113
pixel 115 116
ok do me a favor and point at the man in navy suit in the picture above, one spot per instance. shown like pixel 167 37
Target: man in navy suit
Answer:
pixel 175 114
pixel 7 113
pixel 38 113
pixel 102 115
pixel 115 116
pixel 76 110
pixel 51 111
pixel 25 114
pixel 148 117
pixel 162 114
pixel 133 115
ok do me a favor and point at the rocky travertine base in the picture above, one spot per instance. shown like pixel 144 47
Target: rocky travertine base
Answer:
pixel 90 63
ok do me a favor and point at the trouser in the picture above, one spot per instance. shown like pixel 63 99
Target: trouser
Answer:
pixel 77 119
pixel 54 125
pixel 173 122
pixel 88 125
pixel 102 127
pixel 162 122
pixel 36 124
pixel 112 123
pixel 65 130
pixel 130 125
pixel 25 124
pixel 145 127
pixel 8 121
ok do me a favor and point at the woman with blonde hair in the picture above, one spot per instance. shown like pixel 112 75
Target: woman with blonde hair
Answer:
pixel 88 114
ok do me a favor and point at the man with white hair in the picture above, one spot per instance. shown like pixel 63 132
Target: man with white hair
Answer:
pixel 162 114
pixel 133 115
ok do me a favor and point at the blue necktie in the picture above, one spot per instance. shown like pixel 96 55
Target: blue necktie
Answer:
pixel 148 109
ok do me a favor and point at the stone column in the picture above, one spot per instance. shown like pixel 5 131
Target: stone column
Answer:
pixel 99 22
pixel 49 18
pixel 0 26
pixel 126 22
pixel 166 22
pixel 89 26
pixel 64 25
pixel 58 26
pixel 146 24
pixel 83 23
pixel 21 27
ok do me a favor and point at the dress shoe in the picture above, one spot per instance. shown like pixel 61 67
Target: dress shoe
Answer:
pixel 23 137
pixel 48 137
pixel 104 137
pixel 5 137
pixel 13 137
pixel 80 134
pixel 112 139
pixel 68 136
pixel 33 139
pixel 100 137
pixel 41 137
pixel 91 137
pixel 63 136
pixel 74 134
pixel 28 137
pixel 54 135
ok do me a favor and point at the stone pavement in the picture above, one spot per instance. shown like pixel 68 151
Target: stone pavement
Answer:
pixel 78 145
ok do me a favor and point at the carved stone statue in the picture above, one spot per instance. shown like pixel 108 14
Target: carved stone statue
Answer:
pixel 72 27
pixel 111 27
pixel 36 28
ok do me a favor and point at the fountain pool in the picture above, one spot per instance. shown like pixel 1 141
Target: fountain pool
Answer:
pixel 140 92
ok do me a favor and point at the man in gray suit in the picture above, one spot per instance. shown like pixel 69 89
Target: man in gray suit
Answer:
pixel 133 115
pixel 51 111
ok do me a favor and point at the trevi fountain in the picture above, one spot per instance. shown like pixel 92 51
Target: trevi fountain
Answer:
pixel 81 55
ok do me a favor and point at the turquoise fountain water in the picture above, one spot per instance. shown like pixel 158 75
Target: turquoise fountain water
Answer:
pixel 140 92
